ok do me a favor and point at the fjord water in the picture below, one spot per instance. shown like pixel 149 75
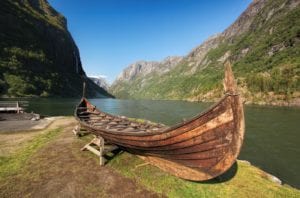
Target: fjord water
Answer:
pixel 272 140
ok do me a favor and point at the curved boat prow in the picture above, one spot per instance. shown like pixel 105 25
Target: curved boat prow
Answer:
pixel 229 81
pixel 235 108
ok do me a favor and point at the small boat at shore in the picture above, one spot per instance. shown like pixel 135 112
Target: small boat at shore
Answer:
pixel 197 149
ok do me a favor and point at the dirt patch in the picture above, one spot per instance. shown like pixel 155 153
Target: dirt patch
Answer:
pixel 60 169
pixel 11 141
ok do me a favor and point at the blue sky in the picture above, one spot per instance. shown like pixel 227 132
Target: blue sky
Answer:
pixel 111 34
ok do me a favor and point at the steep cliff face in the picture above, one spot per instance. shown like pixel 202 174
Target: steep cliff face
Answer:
pixel 263 44
pixel 137 73
pixel 37 53
pixel 197 58
pixel 140 68
pixel 144 68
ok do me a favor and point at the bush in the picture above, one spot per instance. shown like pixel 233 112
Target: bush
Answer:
pixel 281 80
pixel 18 86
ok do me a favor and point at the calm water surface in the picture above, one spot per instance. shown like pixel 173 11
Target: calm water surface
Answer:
pixel 272 133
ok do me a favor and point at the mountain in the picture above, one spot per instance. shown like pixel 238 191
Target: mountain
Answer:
pixel 38 56
pixel 134 76
pixel 264 46
pixel 100 81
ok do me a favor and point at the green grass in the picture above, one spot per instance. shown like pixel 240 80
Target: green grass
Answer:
pixel 12 164
pixel 248 181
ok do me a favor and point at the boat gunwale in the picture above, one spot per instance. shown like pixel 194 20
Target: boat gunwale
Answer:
pixel 151 133
pixel 153 148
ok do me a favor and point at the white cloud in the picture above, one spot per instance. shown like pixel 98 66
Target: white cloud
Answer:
pixel 98 76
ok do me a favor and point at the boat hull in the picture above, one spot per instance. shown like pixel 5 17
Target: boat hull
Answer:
pixel 199 149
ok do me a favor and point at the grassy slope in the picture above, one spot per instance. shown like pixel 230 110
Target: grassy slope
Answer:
pixel 53 165
pixel 247 182
pixel 257 71
pixel 12 164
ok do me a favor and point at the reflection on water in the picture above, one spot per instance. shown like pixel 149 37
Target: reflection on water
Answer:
pixel 272 133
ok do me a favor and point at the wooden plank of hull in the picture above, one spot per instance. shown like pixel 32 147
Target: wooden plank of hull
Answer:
pixel 205 146
pixel 168 137
pixel 220 132
pixel 209 146
pixel 213 134
pixel 190 145
pixel 176 169
pixel 213 153
pixel 198 125
pixel 176 130
pixel 199 149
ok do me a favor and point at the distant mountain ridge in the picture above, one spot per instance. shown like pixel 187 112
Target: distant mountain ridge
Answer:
pixel 38 56
pixel 143 68
pixel 100 81
pixel 263 45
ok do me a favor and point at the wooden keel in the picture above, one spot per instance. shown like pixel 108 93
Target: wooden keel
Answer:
pixel 176 169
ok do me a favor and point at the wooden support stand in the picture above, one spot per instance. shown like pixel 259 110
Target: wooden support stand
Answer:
pixel 79 131
pixel 99 148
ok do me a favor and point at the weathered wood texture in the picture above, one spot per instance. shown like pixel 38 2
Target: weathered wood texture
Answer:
pixel 80 131
pixel 99 148
pixel 207 144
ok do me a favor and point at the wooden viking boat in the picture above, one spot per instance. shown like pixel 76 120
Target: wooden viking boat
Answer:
pixel 198 149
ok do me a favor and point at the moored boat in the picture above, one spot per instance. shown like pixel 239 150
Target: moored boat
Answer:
pixel 197 149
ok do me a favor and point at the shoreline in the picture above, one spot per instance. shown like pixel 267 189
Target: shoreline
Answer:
pixel 267 175
pixel 278 103
pixel 261 103
pixel 295 102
